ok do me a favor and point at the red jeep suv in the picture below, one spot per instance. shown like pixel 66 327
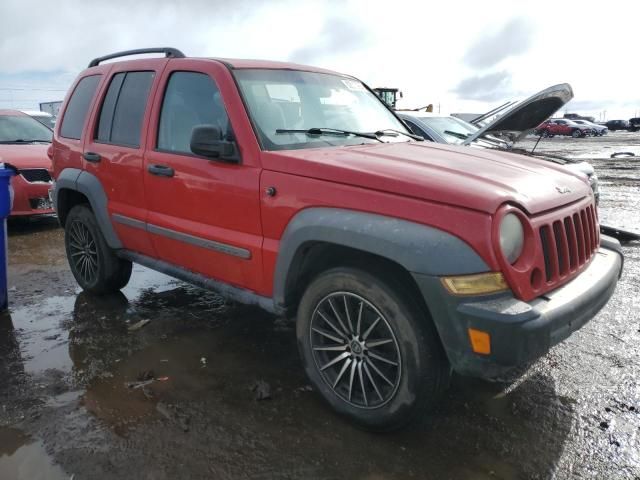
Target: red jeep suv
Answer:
pixel 297 189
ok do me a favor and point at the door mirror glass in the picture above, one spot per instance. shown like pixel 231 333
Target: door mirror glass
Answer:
pixel 206 140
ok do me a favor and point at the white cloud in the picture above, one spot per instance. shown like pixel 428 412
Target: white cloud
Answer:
pixel 427 49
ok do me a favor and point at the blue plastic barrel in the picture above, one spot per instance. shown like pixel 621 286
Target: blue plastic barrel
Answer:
pixel 5 209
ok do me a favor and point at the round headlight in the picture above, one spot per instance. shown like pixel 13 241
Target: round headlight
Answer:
pixel 511 237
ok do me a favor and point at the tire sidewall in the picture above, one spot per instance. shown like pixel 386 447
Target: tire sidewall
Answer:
pixel 420 364
pixel 84 215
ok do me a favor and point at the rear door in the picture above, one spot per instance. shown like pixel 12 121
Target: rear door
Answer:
pixel 115 144
pixel 204 214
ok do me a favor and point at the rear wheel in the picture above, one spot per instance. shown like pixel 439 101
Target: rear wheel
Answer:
pixel 371 352
pixel 94 265
pixel 576 133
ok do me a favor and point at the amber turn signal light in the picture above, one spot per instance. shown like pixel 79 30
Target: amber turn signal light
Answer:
pixel 478 284
pixel 480 341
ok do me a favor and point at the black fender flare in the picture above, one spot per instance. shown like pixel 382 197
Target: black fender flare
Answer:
pixel 417 248
pixel 89 185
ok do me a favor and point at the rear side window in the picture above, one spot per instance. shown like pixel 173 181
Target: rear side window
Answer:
pixel 78 107
pixel 190 99
pixel 123 108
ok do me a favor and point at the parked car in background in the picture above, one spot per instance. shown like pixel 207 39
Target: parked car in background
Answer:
pixel 598 130
pixel 634 124
pixel 617 125
pixel 563 127
pixel 297 189
pixel 23 144
pixel 44 118
pixel 520 119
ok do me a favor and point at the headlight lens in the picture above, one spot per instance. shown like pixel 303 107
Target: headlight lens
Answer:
pixel 511 237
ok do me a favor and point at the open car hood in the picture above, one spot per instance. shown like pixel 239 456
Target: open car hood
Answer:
pixel 524 116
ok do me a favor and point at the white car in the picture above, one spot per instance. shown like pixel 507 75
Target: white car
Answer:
pixel 598 130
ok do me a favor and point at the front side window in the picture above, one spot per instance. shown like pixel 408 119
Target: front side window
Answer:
pixel 417 130
pixel 122 111
pixel 78 107
pixel 280 100
pixel 190 99
pixel 22 129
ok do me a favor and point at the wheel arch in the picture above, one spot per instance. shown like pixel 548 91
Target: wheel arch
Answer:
pixel 321 238
pixel 75 186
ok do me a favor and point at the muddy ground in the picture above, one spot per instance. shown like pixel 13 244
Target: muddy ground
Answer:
pixel 66 358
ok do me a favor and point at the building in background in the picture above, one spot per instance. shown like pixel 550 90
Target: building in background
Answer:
pixel 51 107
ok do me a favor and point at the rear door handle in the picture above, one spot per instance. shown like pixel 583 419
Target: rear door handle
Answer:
pixel 160 170
pixel 91 157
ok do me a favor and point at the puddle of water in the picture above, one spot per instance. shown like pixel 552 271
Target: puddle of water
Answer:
pixel 43 343
pixel 40 329
pixel 22 458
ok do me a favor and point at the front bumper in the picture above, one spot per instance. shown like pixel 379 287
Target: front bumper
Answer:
pixel 520 331
pixel 30 198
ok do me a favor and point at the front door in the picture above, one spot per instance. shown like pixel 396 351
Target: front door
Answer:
pixel 203 214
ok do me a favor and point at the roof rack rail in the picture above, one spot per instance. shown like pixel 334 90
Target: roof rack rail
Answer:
pixel 168 51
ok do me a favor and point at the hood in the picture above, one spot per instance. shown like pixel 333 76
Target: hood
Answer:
pixel 25 156
pixel 528 114
pixel 582 167
pixel 478 179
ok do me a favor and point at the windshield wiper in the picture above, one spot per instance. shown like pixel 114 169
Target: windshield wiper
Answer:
pixel 391 132
pixel 20 140
pixel 461 136
pixel 329 131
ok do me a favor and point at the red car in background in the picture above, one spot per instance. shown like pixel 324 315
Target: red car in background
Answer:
pixel 23 144
pixel 562 126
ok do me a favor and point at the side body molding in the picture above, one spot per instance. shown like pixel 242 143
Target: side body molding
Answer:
pixel 418 248
pixel 89 185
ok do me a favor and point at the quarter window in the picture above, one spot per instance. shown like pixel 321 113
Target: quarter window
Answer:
pixel 190 99
pixel 78 107
pixel 123 108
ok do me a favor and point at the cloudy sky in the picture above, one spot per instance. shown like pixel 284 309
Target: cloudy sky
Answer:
pixel 463 56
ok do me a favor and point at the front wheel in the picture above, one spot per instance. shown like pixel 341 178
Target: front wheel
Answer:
pixel 94 265
pixel 576 133
pixel 369 349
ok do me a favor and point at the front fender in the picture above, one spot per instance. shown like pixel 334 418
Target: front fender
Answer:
pixel 417 248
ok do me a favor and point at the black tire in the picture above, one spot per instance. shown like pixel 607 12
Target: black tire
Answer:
pixel 576 133
pixel 545 133
pixel 94 265
pixel 421 373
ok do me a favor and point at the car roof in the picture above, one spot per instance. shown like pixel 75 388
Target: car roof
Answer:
pixel 415 114
pixel 240 63
pixel 12 113
pixel 232 63
pixel 36 113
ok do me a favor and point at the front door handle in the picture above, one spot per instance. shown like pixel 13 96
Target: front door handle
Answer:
pixel 91 157
pixel 161 170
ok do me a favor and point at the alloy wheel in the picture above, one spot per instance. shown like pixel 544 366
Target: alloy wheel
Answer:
pixel 83 251
pixel 355 350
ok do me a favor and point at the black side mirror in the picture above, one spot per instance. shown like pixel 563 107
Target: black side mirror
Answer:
pixel 206 140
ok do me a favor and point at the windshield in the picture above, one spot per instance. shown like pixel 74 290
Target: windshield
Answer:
pixel 453 129
pixel 280 100
pixel 22 128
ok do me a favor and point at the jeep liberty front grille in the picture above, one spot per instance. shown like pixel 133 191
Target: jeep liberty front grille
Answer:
pixel 569 243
